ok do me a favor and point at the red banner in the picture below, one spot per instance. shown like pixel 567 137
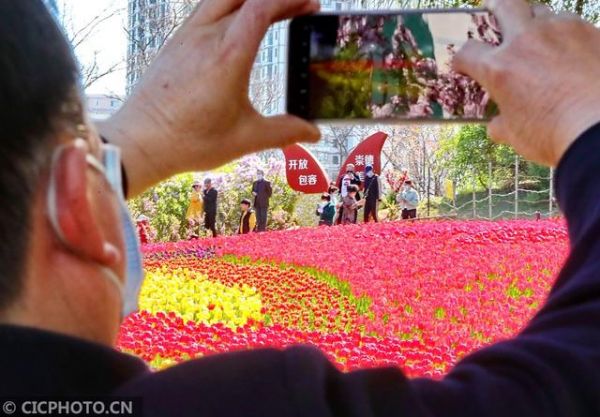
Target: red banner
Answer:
pixel 368 152
pixel 304 173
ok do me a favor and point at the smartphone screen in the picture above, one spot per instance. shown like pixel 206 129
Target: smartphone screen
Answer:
pixel 390 66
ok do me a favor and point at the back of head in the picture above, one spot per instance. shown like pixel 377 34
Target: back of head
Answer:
pixel 38 100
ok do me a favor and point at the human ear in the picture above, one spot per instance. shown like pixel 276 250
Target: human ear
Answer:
pixel 70 209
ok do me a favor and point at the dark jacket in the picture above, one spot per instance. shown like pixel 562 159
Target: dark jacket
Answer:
pixel 327 215
pixel 372 188
pixel 552 368
pixel 210 201
pixel 263 192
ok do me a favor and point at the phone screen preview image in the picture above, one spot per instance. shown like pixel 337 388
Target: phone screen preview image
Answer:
pixel 387 66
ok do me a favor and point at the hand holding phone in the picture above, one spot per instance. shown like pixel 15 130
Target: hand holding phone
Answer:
pixel 386 66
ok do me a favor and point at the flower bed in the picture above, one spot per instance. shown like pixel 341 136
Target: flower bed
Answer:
pixel 418 295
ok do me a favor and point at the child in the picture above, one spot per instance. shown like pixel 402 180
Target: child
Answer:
pixel 326 210
pixel 248 218
pixel 350 205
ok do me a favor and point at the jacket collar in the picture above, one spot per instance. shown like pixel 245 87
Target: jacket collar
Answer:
pixel 38 362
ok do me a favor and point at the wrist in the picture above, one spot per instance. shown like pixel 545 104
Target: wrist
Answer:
pixel 575 124
pixel 144 163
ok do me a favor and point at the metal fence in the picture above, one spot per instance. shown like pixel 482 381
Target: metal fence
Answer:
pixel 529 196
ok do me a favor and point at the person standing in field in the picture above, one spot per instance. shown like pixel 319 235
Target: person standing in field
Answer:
pixel 351 177
pixel 326 210
pixel 247 219
pixel 262 192
pixel 335 197
pixel 350 205
pixel 210 207
pixel 408 200
pixel 195 209
pixel 372 194
pixel 145 232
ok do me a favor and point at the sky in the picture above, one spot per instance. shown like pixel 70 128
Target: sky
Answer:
pixel 108 40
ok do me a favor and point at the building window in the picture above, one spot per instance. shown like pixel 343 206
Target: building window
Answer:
pixel 338 6
pixel 335 160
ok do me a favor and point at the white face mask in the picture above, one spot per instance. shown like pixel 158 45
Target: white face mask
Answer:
pixel 370 174
pixel 111 169
pixel 260 177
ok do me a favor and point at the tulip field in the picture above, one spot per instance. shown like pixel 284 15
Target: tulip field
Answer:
pixel 415 295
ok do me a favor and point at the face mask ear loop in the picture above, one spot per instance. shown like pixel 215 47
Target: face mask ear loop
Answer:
pixel 52 208
pixel 51 199
pixel 112 277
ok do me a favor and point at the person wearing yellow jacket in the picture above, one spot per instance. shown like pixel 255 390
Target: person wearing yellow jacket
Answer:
pixel 195 209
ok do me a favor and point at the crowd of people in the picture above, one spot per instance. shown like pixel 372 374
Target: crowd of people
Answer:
pixel 202 208
pixel 342 202
pixel 339 205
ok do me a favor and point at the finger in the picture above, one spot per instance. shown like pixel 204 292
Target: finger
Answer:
pixel 513 16
pixel 281 131
pixel 498 130
pixel 542 10
pixel 470 60
pixel 210 11
pixel 312 6
pixel 255 17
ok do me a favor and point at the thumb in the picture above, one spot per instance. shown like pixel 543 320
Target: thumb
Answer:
pixel 283 130
pixel 498 131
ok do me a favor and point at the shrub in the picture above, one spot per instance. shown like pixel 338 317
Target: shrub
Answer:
pixel 166 204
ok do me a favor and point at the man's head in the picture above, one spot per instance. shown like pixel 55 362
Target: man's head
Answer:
pixel 408 184
pixel 350 168
pixel 208 183
pixel 260 174
pixel 54 275
pixel 245 204
pixel 369 171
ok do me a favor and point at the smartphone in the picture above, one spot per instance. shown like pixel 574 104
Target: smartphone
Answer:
pixel 386 66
